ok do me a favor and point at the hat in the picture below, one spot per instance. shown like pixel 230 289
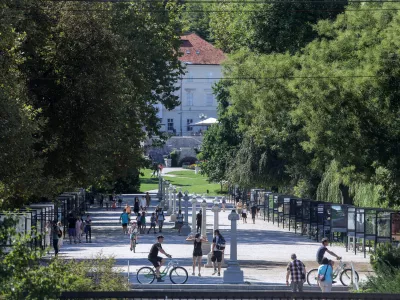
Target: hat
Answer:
pixel 160 237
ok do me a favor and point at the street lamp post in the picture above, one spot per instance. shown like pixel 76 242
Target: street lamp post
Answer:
pixel 185 230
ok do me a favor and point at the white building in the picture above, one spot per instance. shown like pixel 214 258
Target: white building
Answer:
pixel 203 69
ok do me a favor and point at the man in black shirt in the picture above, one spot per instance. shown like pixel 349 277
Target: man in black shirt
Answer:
pixel 156 260
pixel 321 251
pixel 198 221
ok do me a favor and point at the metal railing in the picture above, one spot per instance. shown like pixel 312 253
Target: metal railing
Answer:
pixel 201 294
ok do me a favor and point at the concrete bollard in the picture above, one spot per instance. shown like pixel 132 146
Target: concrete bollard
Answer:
pixel 233 274
pixel 185 230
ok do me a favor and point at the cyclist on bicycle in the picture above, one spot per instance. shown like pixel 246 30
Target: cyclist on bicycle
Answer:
pixel 156 260
pixel 321 251
pixel 133 233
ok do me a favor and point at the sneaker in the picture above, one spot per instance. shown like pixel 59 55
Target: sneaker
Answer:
pixel 215 272
pixel 193 274
pixel 199 275
pixel 160 279
pixel 219 274
pixel 130 248
pixel 333 282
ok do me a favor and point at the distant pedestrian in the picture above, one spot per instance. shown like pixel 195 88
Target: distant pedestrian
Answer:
pixel 136 205
pixel 160 220
pixel 152 223
pixel 143 203
pixel 197 252
pixel 239 206
pixel 124 219
pixel 78 229
pixel 101 200
pixel 119 201
pixel 128 209
pixel 244 214
pixel 148 199
pixel 143 222
pixel 223 203
pixel 254 212
pixel 114 205
pixel 88 229
pixel 297 272
pixel 71 228
pixel 56 235
pixel 198 221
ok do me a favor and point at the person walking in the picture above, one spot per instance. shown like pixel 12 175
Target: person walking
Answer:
pixel 56 233
pixel 325 271
pixel 244 214
pixel 124 219
pixel 128 209
pixel 119 201
pixel 60 236
pixel 253 213
pixel 143 204
pixel 148 199
pixel 223 203
pixel 136 206
pixel 107 202
pixel 133 234
pixel 218 248
pixel 152 223
pixel 143 223
pixel 160 220
pixel 198 221
pixel 156 260
pixel 88 229
pixel 78 229
pixel 71 228
pixel 197 252
pixel 297 272
pixel 239 206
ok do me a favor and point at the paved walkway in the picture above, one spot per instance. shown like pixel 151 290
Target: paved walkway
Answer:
pixel 263 251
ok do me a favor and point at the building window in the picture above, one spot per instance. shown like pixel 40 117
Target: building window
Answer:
pixel 189 97
pixel 210 77
pixel 209 99
pixel 170 124
pixel 188 122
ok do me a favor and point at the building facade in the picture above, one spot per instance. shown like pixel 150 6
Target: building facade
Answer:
pixel 203 69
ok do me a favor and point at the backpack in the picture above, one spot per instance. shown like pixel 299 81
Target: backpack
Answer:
pixel 221 243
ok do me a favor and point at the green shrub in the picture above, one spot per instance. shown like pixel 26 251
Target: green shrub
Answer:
pixel 386 282
pixel 174 158
pixel 386 259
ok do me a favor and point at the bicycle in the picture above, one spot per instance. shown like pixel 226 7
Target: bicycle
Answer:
pixel 177 275
pixel 345 275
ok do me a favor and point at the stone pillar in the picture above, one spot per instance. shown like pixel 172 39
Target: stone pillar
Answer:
pixel 233 274
pixel 185 230
pixel 170 208
pixel 159 194
pixel 173 216
pixel 165 193
pixel 194 213
pixel 180 195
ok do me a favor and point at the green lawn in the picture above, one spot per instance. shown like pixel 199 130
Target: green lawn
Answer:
pixel 187 180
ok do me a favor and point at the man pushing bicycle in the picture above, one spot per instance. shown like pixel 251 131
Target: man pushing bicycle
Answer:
pixel 321 251
pixel 156 260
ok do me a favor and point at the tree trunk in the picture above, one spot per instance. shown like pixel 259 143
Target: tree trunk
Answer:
pixel 347 199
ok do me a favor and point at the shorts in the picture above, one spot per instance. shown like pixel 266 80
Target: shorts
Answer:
pixel 124 225
pixel 180 224
pixel 139 223
pixel 244 215
pixel 197 253
pixel 160 222
pixel 71 232
pixel 155 261
pixel 217 256
pixel 132 236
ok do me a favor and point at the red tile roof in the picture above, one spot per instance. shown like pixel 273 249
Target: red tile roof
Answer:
pixel 197 51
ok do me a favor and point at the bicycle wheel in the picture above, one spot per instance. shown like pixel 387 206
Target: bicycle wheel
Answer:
pixel 178 275
pixel 145 275
pixel 312 277
pixel 345 277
